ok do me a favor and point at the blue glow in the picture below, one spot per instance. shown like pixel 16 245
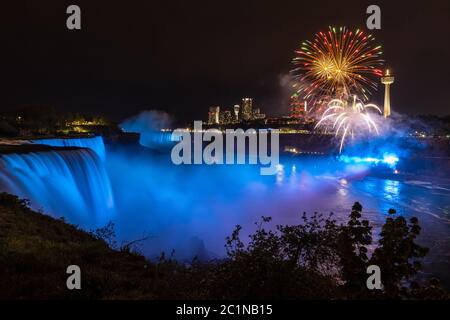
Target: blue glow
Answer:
pixel 197 206
pixel 95 144
pixel 152 127
pixel 390 160
pixel 69 183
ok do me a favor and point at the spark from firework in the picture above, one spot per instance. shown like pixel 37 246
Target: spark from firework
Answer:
pixel 348 120
pixel 337 63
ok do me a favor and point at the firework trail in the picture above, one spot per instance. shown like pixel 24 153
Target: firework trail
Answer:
pixel 348 120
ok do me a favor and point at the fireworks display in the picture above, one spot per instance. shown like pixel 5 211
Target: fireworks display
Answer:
pixel 337 64
pixel 348 120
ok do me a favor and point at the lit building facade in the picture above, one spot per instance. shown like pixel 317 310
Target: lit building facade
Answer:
pixel 236 114
pixel 225 117
pixel 214 115
pixel 247 109
pixel 298 108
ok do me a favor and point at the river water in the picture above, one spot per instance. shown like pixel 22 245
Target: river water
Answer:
pixel 192 208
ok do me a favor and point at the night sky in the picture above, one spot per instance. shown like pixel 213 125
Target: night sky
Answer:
pixel 184 56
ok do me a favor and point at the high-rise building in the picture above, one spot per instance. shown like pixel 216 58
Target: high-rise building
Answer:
pixel 214 115
pixel 257 115
pixel 226 117
pixel 247 106
pixel 298 108
pixel 236 113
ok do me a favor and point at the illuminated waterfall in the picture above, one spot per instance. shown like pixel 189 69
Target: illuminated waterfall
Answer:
pixel 71 183
pixel 158 139
pixel 96 144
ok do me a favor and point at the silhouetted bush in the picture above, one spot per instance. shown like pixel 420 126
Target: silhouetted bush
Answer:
pixel 316 259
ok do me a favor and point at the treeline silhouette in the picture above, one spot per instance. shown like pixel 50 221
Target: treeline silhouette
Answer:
pixel 316 259
pixel 47 120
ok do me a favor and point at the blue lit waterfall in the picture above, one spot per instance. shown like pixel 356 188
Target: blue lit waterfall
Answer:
pixel 72 183
pixel 95 144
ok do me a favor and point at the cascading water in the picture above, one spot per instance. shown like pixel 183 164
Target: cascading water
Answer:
pixel 158 139
pixel 96 144
pixel 69 182
pixel 152 127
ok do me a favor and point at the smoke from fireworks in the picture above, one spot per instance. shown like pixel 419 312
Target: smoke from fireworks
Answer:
pixel 348 120
pixel 337 64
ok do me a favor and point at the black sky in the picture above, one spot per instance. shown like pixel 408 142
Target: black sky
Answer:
pixel 184 56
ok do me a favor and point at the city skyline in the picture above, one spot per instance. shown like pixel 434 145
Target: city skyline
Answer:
pixel 203 153
pixel 125 61
pixel 235 114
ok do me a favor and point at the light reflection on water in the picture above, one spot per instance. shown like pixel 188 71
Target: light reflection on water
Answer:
pixel 176 203
pixel 391 190
pixel 193 208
